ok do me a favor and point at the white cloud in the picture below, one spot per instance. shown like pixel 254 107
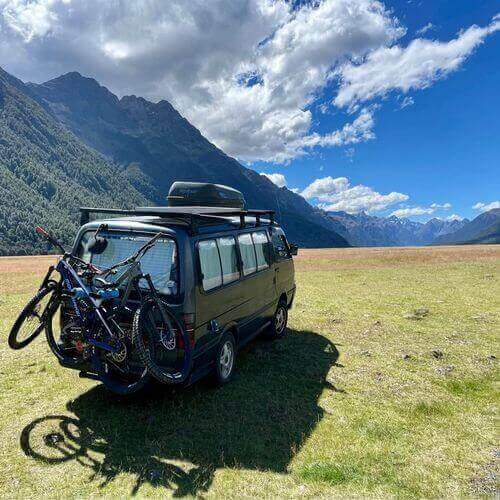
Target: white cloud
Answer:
pixel 411 212
pixel 425 29
pixel 323 188
pixel 484 207
pixel 415 211
pixel 336 194
pixel 407 101
pixel 444 206
pixel 416 66
pixel 245 72
pixel 278 179
pixel 453 217
pixel 30 19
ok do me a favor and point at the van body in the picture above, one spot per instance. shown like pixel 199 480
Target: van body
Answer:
pixel 223 274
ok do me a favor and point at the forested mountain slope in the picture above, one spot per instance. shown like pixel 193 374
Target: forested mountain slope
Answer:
pixel 46 174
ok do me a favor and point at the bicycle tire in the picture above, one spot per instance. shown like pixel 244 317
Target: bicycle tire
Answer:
pixel 144 351
pixel 29 311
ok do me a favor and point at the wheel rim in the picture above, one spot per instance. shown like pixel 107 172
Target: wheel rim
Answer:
pixel 280 320
pixel 226 359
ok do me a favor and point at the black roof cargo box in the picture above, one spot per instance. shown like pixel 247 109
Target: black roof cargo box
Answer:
pixel 203 194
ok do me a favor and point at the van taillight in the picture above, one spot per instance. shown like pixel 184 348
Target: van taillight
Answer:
pixel 189 324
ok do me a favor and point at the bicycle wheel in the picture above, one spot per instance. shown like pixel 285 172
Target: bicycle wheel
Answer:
pixel 33 318
pixel 66 335
pixel 118 373
pixel 153 328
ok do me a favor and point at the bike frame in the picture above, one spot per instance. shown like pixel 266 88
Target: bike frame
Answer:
pixel 129 278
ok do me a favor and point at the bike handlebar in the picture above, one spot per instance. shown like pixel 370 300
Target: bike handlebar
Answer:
pixel 135 256
pixel 41 231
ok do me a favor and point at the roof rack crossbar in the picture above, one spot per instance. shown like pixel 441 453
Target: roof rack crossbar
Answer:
pixel 191 218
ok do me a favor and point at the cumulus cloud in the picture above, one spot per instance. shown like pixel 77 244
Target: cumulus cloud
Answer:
pixel 415 66
pixel 484 207
pixel 336 194
pixel 278 179
pixel 247 73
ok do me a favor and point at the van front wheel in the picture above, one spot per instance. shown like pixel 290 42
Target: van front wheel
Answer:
pixel 277 328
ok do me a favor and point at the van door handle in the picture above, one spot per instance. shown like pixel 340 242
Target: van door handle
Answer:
pixel 213 326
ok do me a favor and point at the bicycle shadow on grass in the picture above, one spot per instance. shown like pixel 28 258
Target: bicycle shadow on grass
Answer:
pixel 178 439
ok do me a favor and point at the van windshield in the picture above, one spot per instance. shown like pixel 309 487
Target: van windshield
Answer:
pixel 160 261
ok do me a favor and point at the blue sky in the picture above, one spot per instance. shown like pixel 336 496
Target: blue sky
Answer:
pixel 445 148
pixel 359 105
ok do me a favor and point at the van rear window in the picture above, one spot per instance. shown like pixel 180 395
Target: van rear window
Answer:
pixel 160 261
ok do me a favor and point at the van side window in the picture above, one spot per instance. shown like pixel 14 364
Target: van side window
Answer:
pixel 280 244
pixel 229 259
pixel 261 249
pixel 247 254
pixel 210 264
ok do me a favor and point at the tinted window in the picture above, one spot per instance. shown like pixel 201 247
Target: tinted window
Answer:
pixel 210 264
pixel 247 254
pixel 229 259
pixel 261 249
pixel 280 244
pixel 160 261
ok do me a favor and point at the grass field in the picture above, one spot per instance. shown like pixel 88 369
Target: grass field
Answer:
pixel 385 385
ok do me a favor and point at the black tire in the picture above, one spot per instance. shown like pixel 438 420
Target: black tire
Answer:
pixel 116 382
pixel 33 318
pixel 168 366
pixel 277 328
pixel 225 359
pixel 66 356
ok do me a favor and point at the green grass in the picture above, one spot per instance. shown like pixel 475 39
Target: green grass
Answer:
pixel 351 403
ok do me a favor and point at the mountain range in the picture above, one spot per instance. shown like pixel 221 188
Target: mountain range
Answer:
pixel 70 142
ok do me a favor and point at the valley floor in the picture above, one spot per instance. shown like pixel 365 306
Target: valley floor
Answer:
pixel 383 386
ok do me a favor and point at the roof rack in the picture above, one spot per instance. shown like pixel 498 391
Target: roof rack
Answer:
pixel 190 216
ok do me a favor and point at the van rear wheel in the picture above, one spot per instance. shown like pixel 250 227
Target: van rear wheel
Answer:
pixel 277 328
pixel 225 359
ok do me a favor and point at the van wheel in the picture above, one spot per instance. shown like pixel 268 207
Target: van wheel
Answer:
pixel 225 359
pixel 277 328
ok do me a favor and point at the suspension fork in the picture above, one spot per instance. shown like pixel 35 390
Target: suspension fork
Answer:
pixel 47 277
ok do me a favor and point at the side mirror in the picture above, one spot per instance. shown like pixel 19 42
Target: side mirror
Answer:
pixel 294 249
pixel 97 244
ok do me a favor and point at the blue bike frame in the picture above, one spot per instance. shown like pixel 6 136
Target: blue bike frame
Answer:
pixel 70 276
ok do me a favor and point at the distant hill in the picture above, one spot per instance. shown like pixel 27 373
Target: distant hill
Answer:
pixel 483 229
pixel 367 230
pixel 71 142
pixel 46 173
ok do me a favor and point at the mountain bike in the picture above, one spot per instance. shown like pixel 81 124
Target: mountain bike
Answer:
pixel 82 312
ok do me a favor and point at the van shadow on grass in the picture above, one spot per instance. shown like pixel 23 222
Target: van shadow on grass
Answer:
pixel 178 440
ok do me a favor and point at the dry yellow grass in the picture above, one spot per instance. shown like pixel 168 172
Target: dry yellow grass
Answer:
pixel 362 398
